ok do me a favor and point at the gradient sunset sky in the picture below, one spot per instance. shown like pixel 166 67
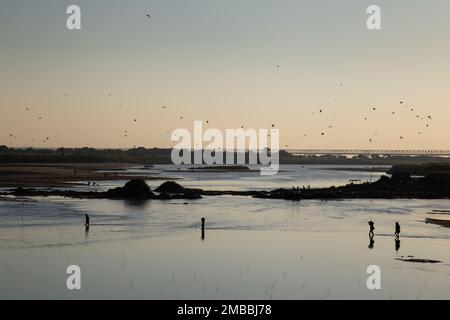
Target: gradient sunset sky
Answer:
pixel 231 62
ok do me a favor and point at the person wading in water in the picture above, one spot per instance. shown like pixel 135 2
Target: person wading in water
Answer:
pixel 372 228
pixel 87 221
pixel 397 230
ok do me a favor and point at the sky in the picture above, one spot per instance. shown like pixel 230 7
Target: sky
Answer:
pixel 234 63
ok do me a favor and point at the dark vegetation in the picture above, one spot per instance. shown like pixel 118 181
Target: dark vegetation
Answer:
pixel 162 156
pixel 441 168
pixel 84 155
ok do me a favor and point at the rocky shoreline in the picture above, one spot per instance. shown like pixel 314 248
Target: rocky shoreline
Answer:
pixel 399 186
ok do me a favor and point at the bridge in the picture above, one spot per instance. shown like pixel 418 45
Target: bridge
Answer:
pixel 387 152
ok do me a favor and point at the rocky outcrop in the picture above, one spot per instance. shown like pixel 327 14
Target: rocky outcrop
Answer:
pixel 399 187
pixel 133 189
pixel 170 187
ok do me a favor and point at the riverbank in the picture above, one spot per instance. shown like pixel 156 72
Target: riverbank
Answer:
pixel 399 186
pixel 53 175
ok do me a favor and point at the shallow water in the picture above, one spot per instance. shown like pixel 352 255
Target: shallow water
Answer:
pixel 254 248
pixel 315 176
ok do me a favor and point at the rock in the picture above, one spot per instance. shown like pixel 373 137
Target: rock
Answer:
pixel 401 177
pixel 19 191
pixel 440 222
pixel 415 260
pixel 170 187
pixel 383 180
pixel 134 189
pixel 437 179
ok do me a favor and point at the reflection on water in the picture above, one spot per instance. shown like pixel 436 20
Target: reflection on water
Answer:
pixel 371 241
pixel 228 265
pixel 139 203
pixel 203 228
pixel 256 248
pixel 397 244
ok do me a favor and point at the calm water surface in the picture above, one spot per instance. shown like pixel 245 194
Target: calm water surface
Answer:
pixel 253 248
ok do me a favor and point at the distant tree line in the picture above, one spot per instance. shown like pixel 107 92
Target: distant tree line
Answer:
pixel 143 155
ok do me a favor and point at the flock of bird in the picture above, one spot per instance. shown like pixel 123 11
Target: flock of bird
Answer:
pixel 320 111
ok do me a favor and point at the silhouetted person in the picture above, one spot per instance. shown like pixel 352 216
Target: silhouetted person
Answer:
pixel 87 223
pixel 397 230
pixel 203 228
pixel 397 244
pixel 372 228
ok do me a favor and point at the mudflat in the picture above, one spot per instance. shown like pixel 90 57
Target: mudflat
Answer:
pixel 63 174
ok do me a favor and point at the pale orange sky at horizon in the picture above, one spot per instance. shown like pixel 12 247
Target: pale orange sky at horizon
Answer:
pixel 232 63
